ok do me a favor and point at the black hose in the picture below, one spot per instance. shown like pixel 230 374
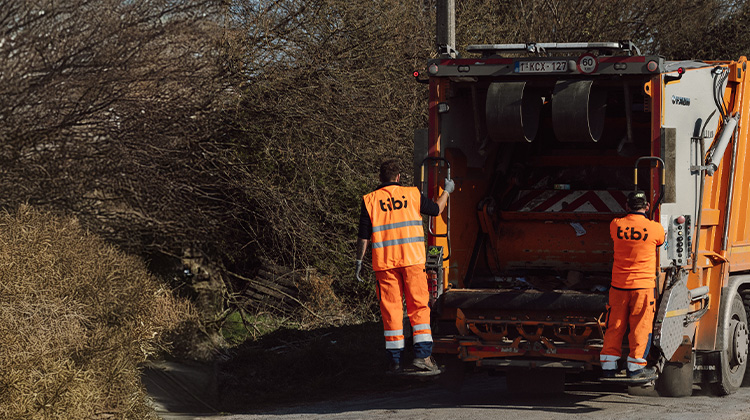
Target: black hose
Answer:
pixel 720 76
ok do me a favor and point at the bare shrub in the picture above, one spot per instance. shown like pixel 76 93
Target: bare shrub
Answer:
pixel 105 112
pixel 325 92
pixel 321 298
pixel 77 317
pixel 675 29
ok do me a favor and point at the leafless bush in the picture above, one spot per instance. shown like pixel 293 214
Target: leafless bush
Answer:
pixel 676 29
pixel 325 92
pixel 77 317
pixel 243 130
pixel 106 111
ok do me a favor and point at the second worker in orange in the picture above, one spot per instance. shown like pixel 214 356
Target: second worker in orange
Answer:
pixel 632 293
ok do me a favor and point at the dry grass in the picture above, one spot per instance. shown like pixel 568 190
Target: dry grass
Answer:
pixel 77 317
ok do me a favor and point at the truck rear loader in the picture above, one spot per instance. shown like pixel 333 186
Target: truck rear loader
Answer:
pixel 544 142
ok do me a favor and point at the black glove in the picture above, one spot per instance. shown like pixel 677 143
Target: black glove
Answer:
pixel 357 269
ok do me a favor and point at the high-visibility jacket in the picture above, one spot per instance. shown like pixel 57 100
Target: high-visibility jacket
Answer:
pixel 636 238
pixel 397 234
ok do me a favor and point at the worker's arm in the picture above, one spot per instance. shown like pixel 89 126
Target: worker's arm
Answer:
pixel 447 190
pixel 365 231
pixel 442 201
pixel 361 248
pixel 437 205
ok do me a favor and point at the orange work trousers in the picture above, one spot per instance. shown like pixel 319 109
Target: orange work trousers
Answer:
pixel 628 308
pixel 393 286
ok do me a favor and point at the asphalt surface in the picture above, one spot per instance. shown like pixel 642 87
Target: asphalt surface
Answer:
pixel 485 397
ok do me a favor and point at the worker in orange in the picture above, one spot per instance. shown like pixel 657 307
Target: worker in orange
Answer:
pixel 632 293
pixel 391 220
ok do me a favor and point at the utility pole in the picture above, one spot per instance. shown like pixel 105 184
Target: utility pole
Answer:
pixel 446 28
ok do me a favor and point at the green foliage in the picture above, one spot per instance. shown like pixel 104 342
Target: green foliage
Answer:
pixel 239 326
pixel 233 329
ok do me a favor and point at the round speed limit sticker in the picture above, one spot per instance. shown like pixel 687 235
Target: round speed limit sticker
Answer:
pixel 587 63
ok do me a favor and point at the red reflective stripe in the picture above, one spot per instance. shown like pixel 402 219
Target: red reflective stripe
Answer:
pixel 520 204
pixel 552 201
pixel 619 196
pixel 588 197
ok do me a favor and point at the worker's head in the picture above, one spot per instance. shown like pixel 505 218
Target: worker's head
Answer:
pixel 637 201
pixel 390 171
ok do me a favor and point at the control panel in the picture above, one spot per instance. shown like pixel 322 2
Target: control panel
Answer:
pixel 679 240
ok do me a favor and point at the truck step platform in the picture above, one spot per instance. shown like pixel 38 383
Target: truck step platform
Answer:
pixel 623 379
pixel 419 373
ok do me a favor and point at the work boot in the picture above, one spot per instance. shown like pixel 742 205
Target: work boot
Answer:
pixel 425 365
pixel 609 373
pixel 645 374
pixel 394 368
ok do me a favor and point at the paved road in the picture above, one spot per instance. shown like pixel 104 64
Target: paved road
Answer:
pixel 485 397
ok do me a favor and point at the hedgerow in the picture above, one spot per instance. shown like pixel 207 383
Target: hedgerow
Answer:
pixel 77 318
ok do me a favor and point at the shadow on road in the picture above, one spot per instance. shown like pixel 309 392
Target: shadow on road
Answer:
pixel 340 371
pixel 480 392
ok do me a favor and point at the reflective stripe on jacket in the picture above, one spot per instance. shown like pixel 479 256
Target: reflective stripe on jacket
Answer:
pixel 397 233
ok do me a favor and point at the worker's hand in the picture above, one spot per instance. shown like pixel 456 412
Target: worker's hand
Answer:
pixel 357 269
pixel 449 185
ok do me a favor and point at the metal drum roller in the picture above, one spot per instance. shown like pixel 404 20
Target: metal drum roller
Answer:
pixel 512 111
pixel 578 109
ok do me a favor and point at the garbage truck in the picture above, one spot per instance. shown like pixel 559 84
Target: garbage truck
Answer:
pixel 544 142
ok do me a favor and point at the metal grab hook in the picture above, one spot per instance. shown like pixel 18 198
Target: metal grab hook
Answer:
pixel 438 160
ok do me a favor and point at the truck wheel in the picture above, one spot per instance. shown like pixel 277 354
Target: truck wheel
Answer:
pixel 733 359
pixel 535 382
pixel 746 301
pixel 676 380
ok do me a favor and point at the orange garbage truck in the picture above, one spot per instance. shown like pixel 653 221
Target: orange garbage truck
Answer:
pixel 544 142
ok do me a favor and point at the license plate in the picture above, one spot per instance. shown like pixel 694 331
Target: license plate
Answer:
pixel 551 66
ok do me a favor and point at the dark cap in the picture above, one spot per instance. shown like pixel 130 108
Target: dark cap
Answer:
pixel 637 200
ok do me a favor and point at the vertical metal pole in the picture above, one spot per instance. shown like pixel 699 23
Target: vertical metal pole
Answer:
pixel 730 193
pixel 698 222
pixel 446 27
